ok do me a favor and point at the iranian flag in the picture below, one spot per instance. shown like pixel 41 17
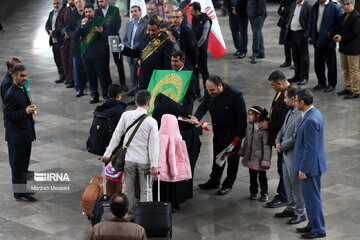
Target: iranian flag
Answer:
pixel 216 41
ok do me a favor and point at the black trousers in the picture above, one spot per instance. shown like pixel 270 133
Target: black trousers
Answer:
pixel 325 56
pixel 281 191
pixel 232 169
pixel 94 71
pixel 254 176
pixel 287 51
pixel 118 59
pixel 119 65
pixel 19 158
pixel 203 68
pixel 57 60
pixel 300 53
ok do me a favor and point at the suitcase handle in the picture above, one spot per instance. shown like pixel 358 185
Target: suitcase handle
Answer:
pixel 148 176
pixel 104 177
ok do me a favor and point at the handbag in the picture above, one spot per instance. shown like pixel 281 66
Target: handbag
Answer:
pixel 111 173
pixel 118 159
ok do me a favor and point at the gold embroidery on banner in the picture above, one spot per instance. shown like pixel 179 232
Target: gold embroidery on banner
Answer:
pixel 90 35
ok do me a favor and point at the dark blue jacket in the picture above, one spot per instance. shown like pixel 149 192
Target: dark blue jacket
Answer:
pixel 97 47
pixel 5 85
pixel 228 114
pixel 19 126
pixel 331 17
pixel 112 109
pixel 74 22
pixel 256 8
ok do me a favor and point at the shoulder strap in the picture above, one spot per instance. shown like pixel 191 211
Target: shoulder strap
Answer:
pixel 138 119
pixel 137 127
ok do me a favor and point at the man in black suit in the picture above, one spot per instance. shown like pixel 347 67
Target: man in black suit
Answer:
pixel 8 81
pixel 278 113
pixel 55 37
pixel 19 132
pixel 187 40
pixel 178 64
pixel 229 118
pixel 157 59
pixel 295 32
pixel 113 22
pixel 94 37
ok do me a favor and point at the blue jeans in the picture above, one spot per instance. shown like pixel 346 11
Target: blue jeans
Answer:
pixel 238 27
pixel 258 41
pixel 79 81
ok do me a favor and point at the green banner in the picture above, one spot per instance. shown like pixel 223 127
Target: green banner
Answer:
pixel 91 34
pixel 110 14
pixel 171 83
pixel 153 45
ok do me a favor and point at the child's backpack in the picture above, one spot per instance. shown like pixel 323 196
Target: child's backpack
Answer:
pixel 101 131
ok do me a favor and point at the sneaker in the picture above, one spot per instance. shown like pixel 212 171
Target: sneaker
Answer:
pixel 263 198
pixel 253 197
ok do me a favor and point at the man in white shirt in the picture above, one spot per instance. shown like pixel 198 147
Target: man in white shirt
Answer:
pixel 298 22
pixel 143 151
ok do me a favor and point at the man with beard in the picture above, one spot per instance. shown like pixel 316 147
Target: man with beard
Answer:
pixel 154 53
pixel 113 22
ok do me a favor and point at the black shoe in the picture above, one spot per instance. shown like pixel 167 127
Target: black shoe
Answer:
pixel 329 89
pixel 66 82
pixel 253 197
pixel 284 214
pixel 208 185
pixel 296 219
pixel 253 59
pixel 263 198
pixel 319 87
pixel 303 230
pixel 313 235
pixel 261 56
pixel 292 80
pixel 242 55
pixel 303 82
pixel 70 85
pixel 94 100
pixel 59 81
pixel 80 94
pixel 131 94
pixel 343 92
pixel 25 198
pixel 275 203
pixel 351 96
pixel 124 87
pixel 285 64
pixel 292 67
pixel 236 53
pixel 224 191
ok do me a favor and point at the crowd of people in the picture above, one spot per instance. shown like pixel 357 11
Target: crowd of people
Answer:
pixel 165 40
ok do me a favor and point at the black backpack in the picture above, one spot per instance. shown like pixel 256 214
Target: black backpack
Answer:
pixel 101 132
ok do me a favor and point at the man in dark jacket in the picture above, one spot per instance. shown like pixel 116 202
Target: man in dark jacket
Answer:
pixel 238 21
pixel 8 81
pixel 284 12
pixel 295 33
pixel 187 40
pixel 55 37
pixel 229 118
pixel 113 22
pixel 93 37
pixel 201 26
pixel 256 11
pixel 278 112
pixel 19 132
pixel 151 60
pixel 347 34
pixel 324 16
pixel 74 22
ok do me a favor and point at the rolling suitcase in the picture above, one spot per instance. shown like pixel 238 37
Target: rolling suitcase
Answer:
pixel 155 217
pixel 94 190
pixel 101 209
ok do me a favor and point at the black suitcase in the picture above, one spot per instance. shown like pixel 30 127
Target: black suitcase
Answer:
pixel 155 217
pixel 101 209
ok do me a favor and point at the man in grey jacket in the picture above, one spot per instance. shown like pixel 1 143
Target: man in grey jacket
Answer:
pixel 285 142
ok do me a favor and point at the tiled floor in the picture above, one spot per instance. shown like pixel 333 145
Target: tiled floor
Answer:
pixel 63 121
